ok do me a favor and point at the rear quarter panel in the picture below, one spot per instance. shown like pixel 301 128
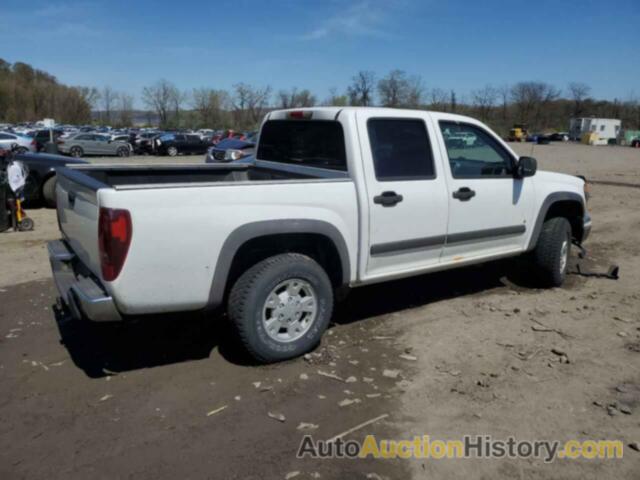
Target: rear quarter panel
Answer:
pixel 179 232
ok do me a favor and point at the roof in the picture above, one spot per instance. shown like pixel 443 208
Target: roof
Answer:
pixel 332 112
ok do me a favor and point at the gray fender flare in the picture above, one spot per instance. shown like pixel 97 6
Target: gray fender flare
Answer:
pixel 249 231
pixel 542 213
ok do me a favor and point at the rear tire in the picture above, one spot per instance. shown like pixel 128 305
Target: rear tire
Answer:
pixel 22 150
pixel 172 151
pixel 76 152
pixel 551 255
pixel 49 192
pixel 266 293
pixel 123 152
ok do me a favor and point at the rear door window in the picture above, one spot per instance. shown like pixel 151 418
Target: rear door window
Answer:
pixel 401 149
pixel 312 143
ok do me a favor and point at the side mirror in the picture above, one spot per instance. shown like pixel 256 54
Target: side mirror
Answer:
pixel 526 167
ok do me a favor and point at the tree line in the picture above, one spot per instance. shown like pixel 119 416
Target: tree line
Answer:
pixel 29 94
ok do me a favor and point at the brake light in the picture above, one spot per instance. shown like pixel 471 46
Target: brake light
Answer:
pixel 114 238
pixel 300 114
pixel 33 142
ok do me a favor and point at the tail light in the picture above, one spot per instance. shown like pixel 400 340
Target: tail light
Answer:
pixel 114 238
pixel 33 142
pixel 60 142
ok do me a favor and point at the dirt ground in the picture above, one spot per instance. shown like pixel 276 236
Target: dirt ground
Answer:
pixel 469 351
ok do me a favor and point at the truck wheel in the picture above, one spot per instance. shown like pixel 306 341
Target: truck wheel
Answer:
pixel 551 255
pixel 281 306
pixel 49 192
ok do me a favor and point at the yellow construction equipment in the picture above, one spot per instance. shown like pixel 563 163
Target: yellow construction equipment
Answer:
pixel 518 133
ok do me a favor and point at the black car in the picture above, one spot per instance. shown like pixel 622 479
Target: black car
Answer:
pixel 173 144
pixel 41 181
pixel 143 143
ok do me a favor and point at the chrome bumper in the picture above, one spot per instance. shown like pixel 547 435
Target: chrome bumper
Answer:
pixel 82 294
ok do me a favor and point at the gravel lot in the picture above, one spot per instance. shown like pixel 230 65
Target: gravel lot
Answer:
pixel 472 349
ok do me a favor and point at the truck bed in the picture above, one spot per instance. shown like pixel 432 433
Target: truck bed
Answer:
pixel 122 177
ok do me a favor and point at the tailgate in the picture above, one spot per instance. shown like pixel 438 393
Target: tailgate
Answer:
pixel 77 205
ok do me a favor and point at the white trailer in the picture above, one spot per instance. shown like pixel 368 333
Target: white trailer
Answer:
pixel 601 129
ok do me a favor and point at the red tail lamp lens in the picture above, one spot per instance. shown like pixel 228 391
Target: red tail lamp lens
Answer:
pixel 114 238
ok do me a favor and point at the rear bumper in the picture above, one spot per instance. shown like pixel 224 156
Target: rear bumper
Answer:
pixel 79 291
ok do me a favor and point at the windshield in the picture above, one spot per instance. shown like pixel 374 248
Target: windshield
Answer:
pixel 313 143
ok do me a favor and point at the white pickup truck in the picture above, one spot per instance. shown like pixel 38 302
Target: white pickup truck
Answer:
pixel 336 198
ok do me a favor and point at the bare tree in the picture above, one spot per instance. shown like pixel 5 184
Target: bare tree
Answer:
pixel 484 100
pixel 91 95
pixel 125 105
pixel 393 89
pixel 294 98
pixel 438 99
pixel 160 98
pixel 360 91
pixel 249 104
pixel 503 93
pixel 530 100
pixel 210 105
pixel 336 100
pixel 416 92
pixel 109 97
pixel 579 92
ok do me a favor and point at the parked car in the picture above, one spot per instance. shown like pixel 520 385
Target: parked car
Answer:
pixel 23 143
pixel 43 136
pixel 539 138
pixel 336 198
pixel 230 150
pixel 143 143
pixel 559 137
pixel 92 144
pixel 227 134
pixel 173 144
pixel 41 181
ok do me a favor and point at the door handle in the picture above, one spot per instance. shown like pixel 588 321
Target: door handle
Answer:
pixel 464 193
pixel 387 199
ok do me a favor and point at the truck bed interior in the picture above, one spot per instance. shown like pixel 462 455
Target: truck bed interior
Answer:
pixel 137 176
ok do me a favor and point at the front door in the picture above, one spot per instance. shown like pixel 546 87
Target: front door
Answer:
pixel 489 210
pixel 406 192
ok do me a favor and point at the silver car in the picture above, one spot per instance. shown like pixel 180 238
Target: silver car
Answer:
pixel 82 144
pixel 23 143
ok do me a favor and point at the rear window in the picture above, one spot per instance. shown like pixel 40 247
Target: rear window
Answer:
pixel 313 143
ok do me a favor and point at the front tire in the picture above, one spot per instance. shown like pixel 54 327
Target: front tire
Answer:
pixel 172 151
pixel 281 307
pixel 551 255
pixel 49 192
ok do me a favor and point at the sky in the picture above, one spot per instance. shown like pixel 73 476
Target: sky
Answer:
pixel 459 45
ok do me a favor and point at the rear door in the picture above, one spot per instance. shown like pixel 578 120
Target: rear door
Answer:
pixel 406 191
pixel 489 210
